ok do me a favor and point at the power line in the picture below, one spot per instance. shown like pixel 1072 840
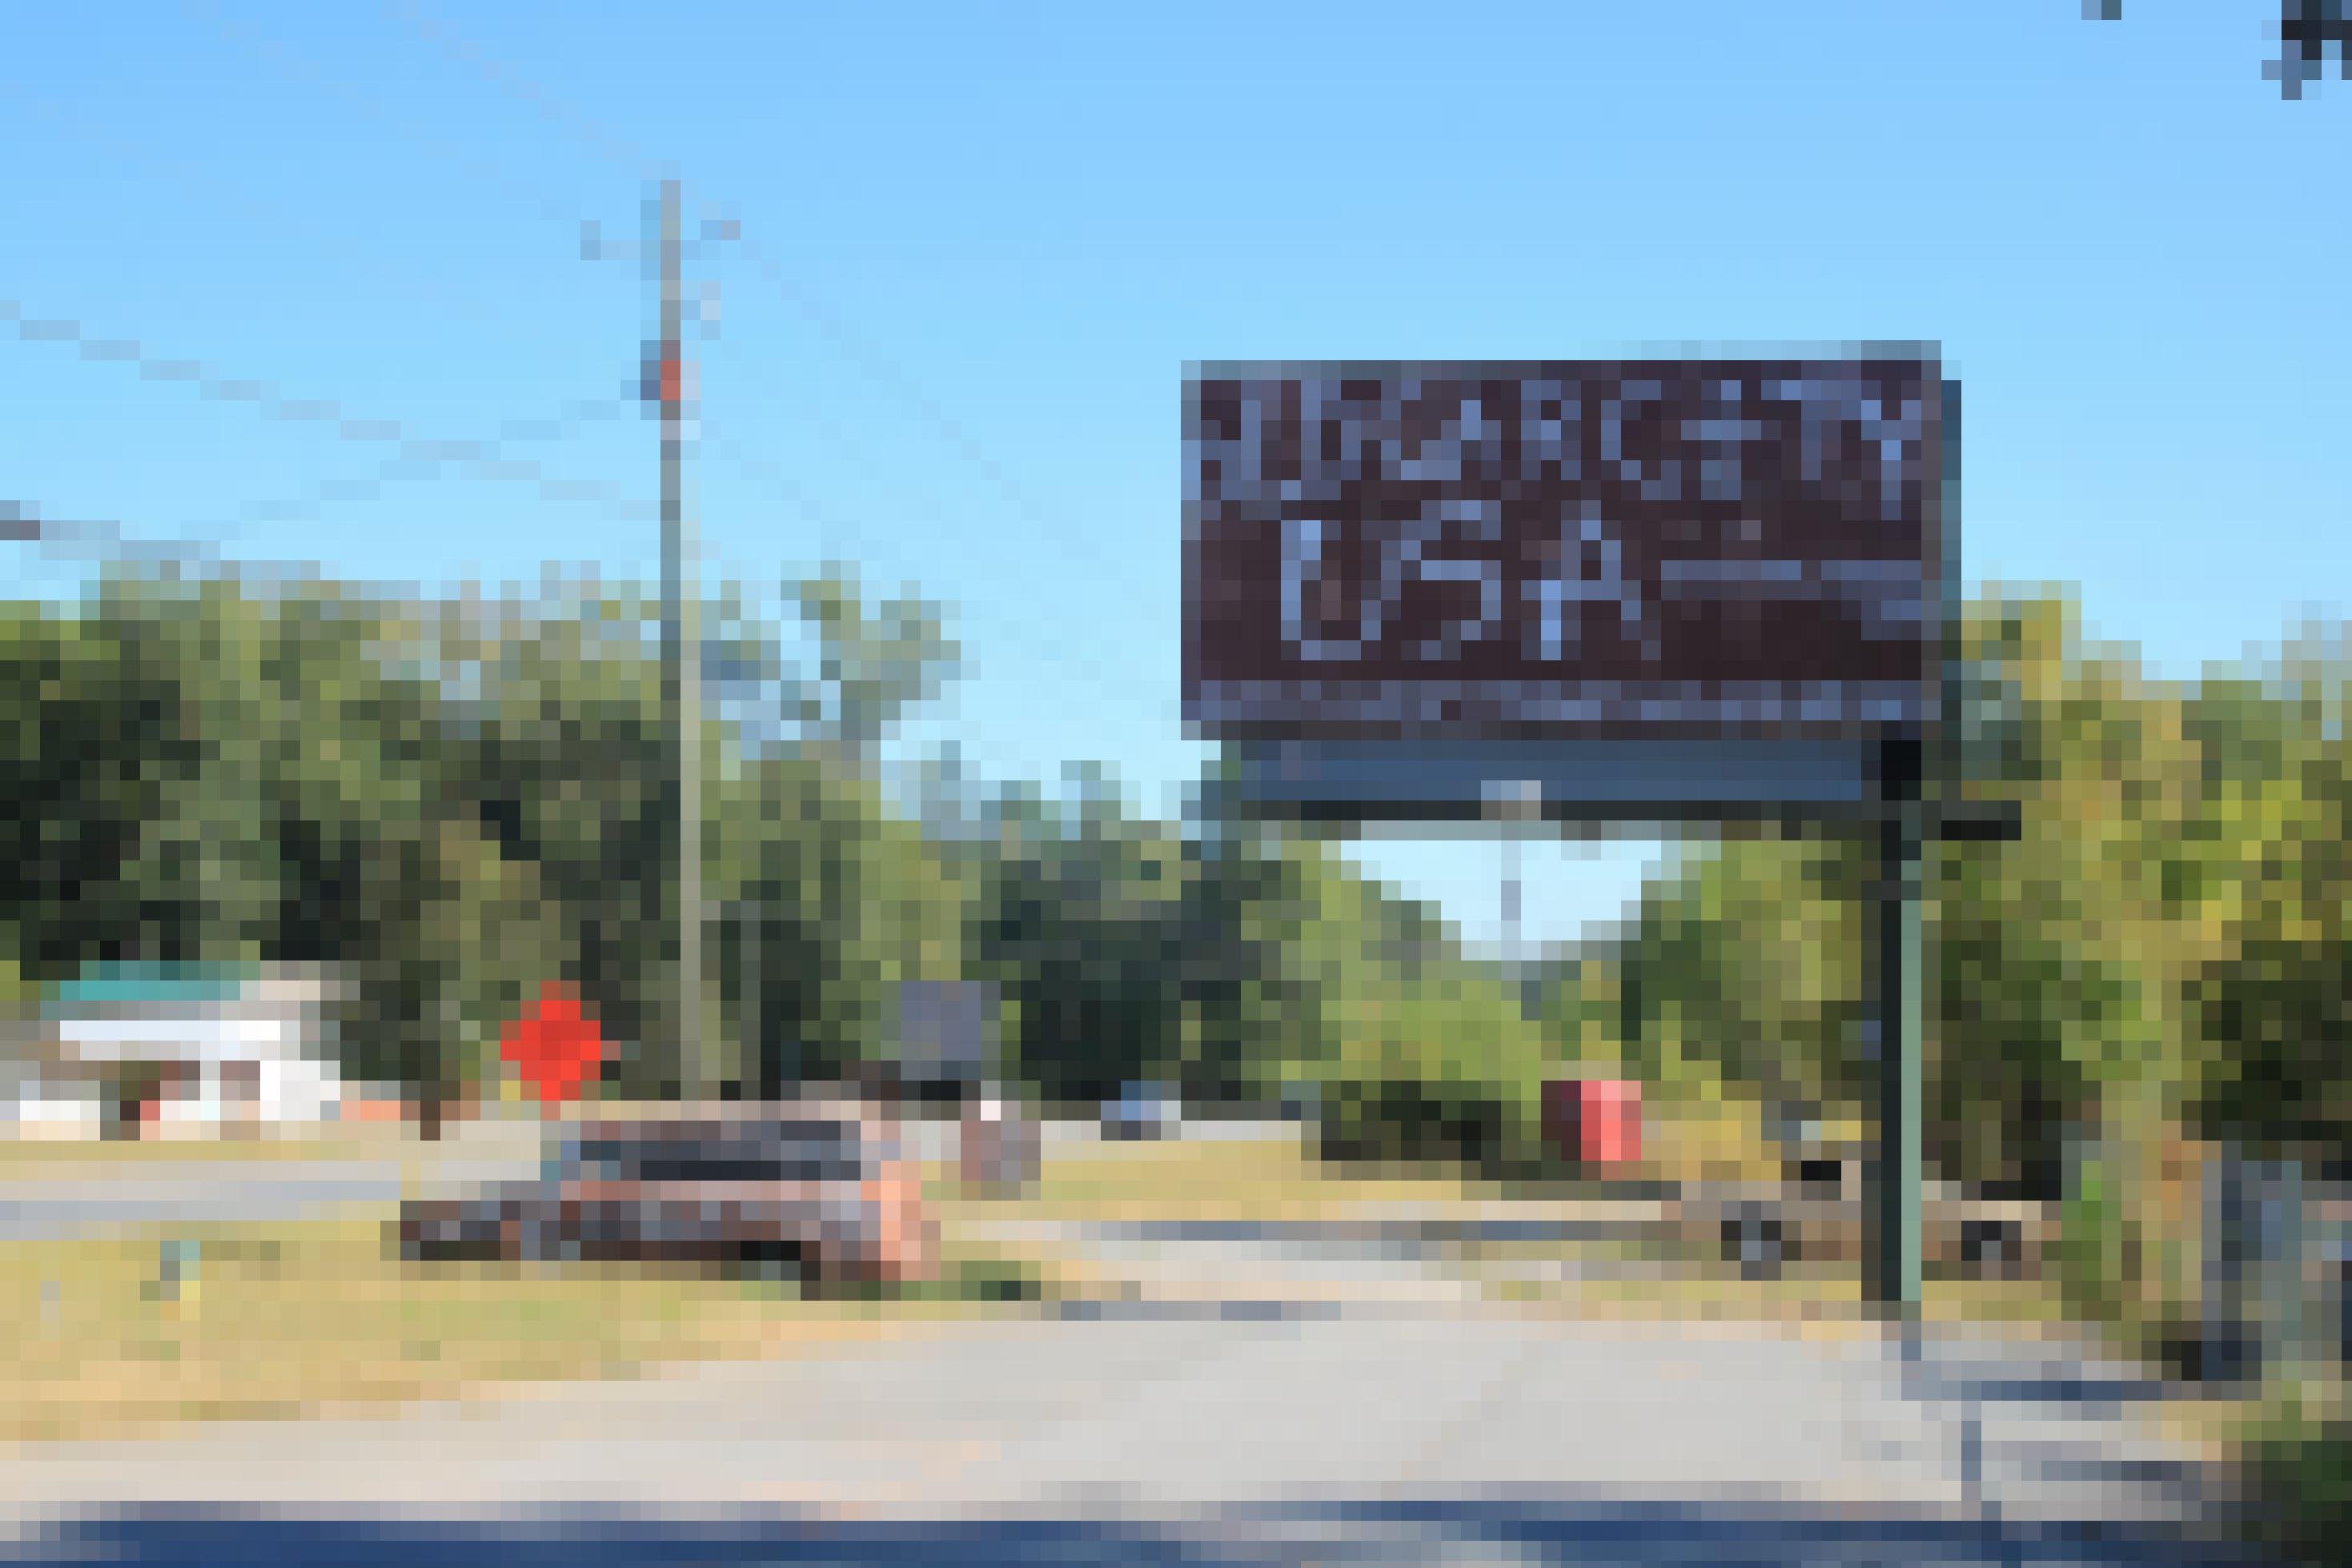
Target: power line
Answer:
pixel 618 151
pixel 1082 665
pixel 87 538
pixel 86 130
pixel 424 459
pixel 598 135
pixel 616 148
pixel 878 368
pixel 467 155
pixel 479 456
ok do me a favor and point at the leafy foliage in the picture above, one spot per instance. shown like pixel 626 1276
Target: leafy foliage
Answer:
pixel 455 800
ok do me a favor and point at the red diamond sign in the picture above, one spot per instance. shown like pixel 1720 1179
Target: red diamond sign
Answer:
pixel 555 1045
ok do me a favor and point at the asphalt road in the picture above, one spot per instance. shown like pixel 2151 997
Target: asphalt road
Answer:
pixel 1290 1395
pixel 1484 1532
pixel 197 1191
pixel 1411 1434
pixel 200 1192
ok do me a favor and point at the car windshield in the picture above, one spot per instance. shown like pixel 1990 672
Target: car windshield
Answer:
pixel 812 1152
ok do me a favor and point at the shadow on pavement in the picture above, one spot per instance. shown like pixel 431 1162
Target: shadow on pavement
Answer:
pixel 1432 1532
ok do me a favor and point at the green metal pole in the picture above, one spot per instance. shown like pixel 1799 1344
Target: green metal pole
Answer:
pixel 1893 1257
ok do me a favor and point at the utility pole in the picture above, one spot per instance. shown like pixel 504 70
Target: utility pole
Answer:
pixel 681 646
pixel 1511 954
pixel 1514 808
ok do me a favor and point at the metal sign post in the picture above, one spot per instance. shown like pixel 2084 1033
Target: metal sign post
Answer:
pixel 1892 1279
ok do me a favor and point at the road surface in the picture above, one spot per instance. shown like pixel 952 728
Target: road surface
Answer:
pixel 1300 1394
pixel 1431 1433
pixel 162 1191
pixel 81 1196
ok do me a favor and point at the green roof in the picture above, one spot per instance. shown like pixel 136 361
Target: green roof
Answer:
pixel 108 984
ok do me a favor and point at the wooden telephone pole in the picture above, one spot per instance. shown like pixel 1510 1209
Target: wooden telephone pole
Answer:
pixel 681 646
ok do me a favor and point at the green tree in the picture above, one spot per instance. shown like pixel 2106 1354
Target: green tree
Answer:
pixel 2271 1003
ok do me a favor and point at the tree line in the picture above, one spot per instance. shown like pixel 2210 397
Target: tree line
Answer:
pixel 2156 964
pixel 456 799
pixel 453 801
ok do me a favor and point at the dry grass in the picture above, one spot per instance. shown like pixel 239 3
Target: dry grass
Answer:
pixel 34 1159
pixel 1279 1178
pixel 303 1319
pixel 1800 1294
pixel 1708 1142
pixel 297 1319
pixel 1268 1179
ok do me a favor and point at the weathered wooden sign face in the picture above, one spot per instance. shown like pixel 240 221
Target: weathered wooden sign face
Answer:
pixel 1591 549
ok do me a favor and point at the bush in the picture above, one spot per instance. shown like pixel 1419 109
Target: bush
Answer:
pixel 970 1279
pixel 2301 1476
pixel 16 993
pixel 1404 1121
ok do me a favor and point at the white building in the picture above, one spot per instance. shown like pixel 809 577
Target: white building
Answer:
pixel 179 1051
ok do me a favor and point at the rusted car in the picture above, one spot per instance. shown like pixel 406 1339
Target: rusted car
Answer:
pixel 826 1191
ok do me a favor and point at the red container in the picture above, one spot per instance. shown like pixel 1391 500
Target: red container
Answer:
pixel 1594 1121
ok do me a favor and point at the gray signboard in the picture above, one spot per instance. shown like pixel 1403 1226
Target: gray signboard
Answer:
pixel 947 1031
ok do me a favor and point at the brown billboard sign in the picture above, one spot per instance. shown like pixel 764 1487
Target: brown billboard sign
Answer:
pixel 1697 548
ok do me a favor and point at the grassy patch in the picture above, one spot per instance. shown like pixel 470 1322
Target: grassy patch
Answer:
pixel 27 1159
pixel 304 1319
pixel 1278 1180
pixel 1272 1178
pixel 1688 1290
pixel 2010 1301
pixel 960 1280
pixel 2298 1452
pixel 1687 1294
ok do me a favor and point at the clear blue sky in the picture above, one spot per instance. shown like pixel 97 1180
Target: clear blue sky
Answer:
pixel 992 236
